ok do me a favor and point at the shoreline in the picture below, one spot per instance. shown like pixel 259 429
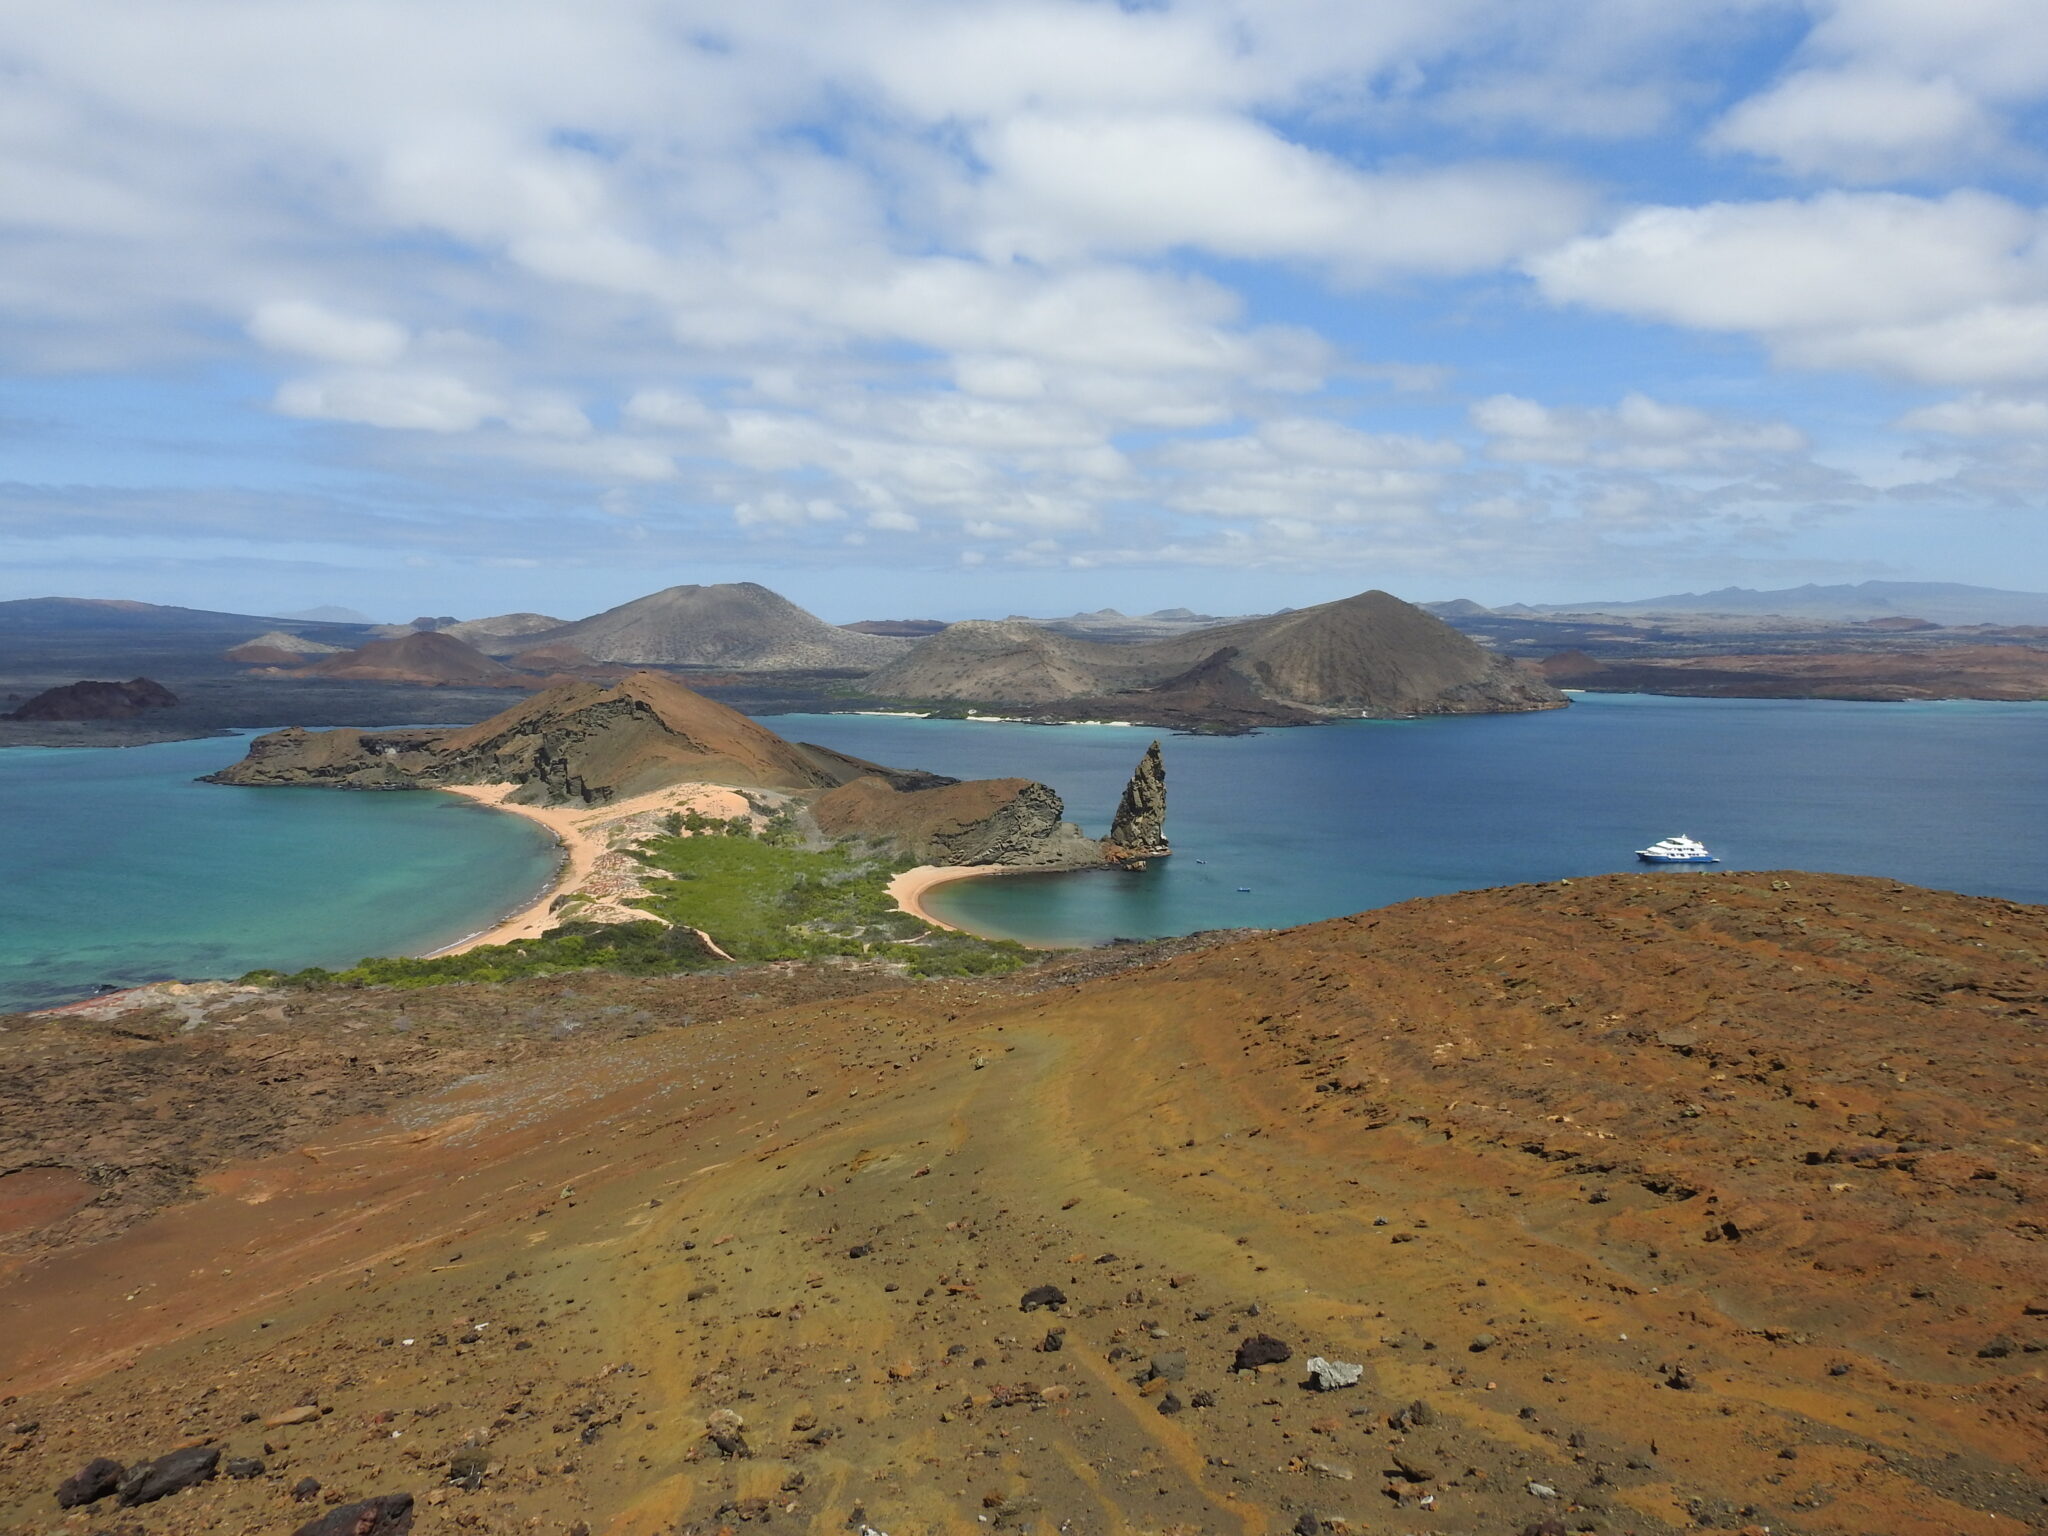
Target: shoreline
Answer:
pixel 909 889
pixel 581 835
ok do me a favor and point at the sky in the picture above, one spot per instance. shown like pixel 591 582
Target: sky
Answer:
pixel 951 308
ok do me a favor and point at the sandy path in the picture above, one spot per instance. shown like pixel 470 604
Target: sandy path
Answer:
pixel 584 835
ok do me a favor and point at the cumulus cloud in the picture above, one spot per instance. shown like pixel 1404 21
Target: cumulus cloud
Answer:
pixel 1980 415
pixel 313 330
pixel 1069 279
pixel 1944 289
pixel 1889 90
pixel 1639 433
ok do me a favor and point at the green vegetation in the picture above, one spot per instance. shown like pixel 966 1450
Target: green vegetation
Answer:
pixel 759 896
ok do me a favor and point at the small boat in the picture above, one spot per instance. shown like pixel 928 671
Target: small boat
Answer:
pixel 1245 888
pixel 1677 850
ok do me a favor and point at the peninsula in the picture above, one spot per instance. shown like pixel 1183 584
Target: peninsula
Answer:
pixel 628 777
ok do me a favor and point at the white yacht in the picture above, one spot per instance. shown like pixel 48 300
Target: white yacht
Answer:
pixel 1677 850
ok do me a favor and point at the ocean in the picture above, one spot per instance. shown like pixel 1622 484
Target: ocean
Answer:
pixel 1294 825
pixel 115 867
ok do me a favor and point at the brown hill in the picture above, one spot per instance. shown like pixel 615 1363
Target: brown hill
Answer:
pixel 1366 655
pixel 91 700
pixel 739 625
pixel 1643 1204
pixel 425 657
pixel 577 742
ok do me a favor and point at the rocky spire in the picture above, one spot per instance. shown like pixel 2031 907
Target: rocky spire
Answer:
pixel 1139 832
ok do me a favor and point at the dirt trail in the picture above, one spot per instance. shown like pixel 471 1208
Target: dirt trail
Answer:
pixel 1703 1202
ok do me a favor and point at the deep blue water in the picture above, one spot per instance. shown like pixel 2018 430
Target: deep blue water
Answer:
pixel 1337 818
pixel 116 867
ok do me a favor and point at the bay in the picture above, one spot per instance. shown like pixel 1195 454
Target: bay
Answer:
pixel 1333 819
pixel 116 868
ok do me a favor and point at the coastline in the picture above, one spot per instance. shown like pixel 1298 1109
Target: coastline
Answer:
pixel 582 834
pixel 908 889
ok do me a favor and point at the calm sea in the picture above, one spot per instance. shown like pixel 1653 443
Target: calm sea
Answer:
pixel 1338 818
pixel 116 868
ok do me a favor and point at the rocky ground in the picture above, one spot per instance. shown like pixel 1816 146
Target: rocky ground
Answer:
pixel 1639 1204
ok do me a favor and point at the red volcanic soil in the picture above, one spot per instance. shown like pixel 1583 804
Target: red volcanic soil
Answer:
pixel 1696 1200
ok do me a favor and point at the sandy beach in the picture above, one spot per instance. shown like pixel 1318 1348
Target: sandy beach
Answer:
pixel 585 834
pixel 907 889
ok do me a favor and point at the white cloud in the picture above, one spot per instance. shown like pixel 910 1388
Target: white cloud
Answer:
pixel 1888 90
pixel 1947 289
pixel 1225 184
pixel 313 330
pixel 1862 125
pixel 1980 415
pixel 1639 433
pixel 412 402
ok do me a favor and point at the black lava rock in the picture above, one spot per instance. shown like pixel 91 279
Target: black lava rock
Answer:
pixel 388 1514
pixel 1261 1349
pixel 91 1482
pixel 1042 1296
pixel 168 1474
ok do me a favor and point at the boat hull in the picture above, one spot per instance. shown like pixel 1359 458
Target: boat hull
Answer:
pixel 1668 858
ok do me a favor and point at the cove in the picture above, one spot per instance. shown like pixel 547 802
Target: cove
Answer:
pixel 116 868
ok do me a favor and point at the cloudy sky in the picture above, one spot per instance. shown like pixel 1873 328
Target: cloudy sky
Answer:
pixel 952 307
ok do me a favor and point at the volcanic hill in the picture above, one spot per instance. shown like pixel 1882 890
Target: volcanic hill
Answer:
pixel 1637 1204
pixel 575 743
pixel 422 656
pixel 737 625
pixel 93 700
pixel 1366 655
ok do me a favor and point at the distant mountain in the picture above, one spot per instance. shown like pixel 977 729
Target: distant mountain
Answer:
pixel 1457 608
pixel 908 629
pixel 1371 654
pixel 425 657
pixel 1118 628
pixel 96 701
pixel 1943 602
pixel 504 633
pixel 70 615
pixel 739 625
pixel 328 613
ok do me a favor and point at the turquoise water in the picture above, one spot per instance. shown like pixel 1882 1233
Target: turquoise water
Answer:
pixel 116 868
pixel 1338 818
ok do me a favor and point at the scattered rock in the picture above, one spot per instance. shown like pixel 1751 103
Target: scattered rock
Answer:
pixel 305 1413
pixel 1042 1296
pixel 1261 1349
pixel 170 1473
pixel 1171 1366
pixel 388 1514
pixel 1482 1343
pixel 466 1469
pixel 91 1483
pixel 1543 1490
pixel 1997 1349
pixel 243 1468
pixel 306 1488
pixel 1330 1375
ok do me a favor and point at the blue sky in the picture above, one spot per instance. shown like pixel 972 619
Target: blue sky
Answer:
pixel 952 308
